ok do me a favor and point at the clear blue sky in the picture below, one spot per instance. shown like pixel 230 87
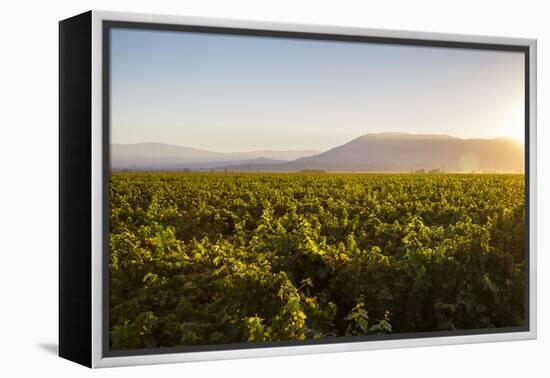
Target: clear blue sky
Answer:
pixel 236 93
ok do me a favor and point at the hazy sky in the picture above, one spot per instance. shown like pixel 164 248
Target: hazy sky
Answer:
pixel 236 93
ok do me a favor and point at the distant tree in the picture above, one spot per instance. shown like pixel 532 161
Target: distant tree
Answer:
pixel 312 171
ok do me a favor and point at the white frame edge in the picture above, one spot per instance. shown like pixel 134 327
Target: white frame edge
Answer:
pixel 97 186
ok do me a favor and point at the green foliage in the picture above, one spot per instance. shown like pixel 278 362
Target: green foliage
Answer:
pixel 218 258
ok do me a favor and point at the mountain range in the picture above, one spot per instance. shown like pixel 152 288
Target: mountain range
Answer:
pixel 381 152
pixel 161 156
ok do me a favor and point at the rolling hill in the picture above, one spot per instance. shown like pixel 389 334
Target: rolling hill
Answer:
pixel 161 156
pixel 398 152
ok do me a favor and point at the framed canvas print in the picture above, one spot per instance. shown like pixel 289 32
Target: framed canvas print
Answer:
pixel 235 189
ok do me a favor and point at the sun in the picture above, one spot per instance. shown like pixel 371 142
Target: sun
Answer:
pixel 517 135
pixel 513 125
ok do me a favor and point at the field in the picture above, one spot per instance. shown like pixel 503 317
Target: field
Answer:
pixel 218 258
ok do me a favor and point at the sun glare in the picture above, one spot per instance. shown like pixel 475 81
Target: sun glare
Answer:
pixel 513 125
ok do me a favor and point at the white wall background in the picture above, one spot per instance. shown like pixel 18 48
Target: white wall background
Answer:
pixel 28 189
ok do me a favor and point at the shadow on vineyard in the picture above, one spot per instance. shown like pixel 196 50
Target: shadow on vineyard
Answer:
pixel 217 258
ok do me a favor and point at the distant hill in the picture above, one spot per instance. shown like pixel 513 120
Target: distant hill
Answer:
pixel 161 156
pixel 392 152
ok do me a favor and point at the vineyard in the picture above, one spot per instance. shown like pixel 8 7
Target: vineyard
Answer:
pixel 218 258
